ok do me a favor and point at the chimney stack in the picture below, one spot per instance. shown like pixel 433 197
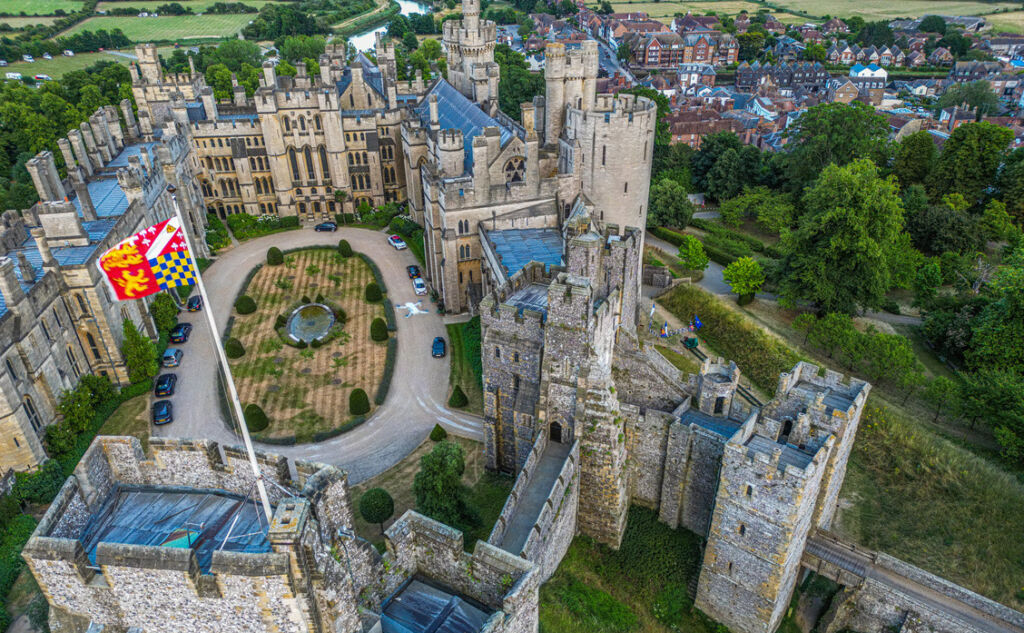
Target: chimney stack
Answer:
pixel 28 274
pixel 10 287
pixel 39 235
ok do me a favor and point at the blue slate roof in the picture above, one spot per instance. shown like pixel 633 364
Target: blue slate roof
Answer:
pixel 245 116
pixel 197 519
pixel 371 74
pixel 121 160
pixel 421 606
pixel 455 111
pixel 519 247
pixel 723 426
pixel 107 197
pixel 196 111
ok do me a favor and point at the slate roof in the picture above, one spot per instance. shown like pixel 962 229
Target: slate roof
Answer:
pixel 455 111
pixel 519 247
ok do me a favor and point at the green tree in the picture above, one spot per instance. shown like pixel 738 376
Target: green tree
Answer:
pixel 234 53
pixel 373 293
pixel 712 147
pixel 255 418
pixel 218 77
pixel 138 352
pixel 624 52
pixel 805 322
pixel 996 223
pixel 245 305
pixel 744 276
pixel 914 160
pixel 834 133
pixel 299 47
pixel 996 396
pixel 438 484
pixel 378 330
pixel 932 24
pixel 941 229
pixel 926 283
pixel 458 398
pixel 164 312
pixel 832 333
pixel 998 338
pixel 842 254
pixel 438 433
pixel 751 44
pixel 773 211
pixel 358 402
pixel 376 506
pixel 431 49
pixel 518 85
pixel 970 160
pixel 233 348
pixel 344 248
pixel 939 391
pixel 692 255
pixel 815 53
pixel 669 205
pixel 973 95
pixel 1011 185
pixel 274 256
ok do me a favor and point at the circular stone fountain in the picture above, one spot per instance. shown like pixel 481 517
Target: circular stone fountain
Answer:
pixel 310 322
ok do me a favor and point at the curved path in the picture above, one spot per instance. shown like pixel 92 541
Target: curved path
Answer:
pixel 419 387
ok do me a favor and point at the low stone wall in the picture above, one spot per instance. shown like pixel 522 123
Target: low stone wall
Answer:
pixel 644 377
pixel 657 276
pixel 523 480
pixel 555 528
pixel 509 584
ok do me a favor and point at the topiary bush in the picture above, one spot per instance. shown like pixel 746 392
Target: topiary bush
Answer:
pixel 438 434
pixel 255 419
pixel 280 321
pixel 306 299
pixel 344 248
pixel 245 305
pixel 373 293
pixel 358 402
pixel 274 256
pixel 378 330
pixel 458 398
pixel 233 348
pixel 376 506
pixel 315 343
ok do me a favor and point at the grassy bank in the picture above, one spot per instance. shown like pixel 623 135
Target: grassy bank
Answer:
pixel 466 367
pixel 131 418
pixel 640 587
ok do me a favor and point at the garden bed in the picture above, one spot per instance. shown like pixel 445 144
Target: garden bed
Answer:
pixel 304 391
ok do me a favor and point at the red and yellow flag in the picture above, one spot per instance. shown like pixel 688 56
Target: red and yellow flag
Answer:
pixel 152 260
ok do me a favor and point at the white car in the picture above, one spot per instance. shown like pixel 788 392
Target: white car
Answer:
pixel 419 286
pixel 14 76
pixel 69 53
pixel 47 56
pixel 397 242
pixel 3 62
pixel 28 58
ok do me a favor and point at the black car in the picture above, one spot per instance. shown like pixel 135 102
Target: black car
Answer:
pixel 438 349
pixel 414 271
pixel 195 304
pixel 165 384
pixel 326 226
pixel 181 332
pixel 162 412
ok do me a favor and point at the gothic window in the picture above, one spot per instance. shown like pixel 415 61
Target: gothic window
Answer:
pixel 56 318
pixel 92 345
pixel 316 121
pixel 316 207
pixel 10 369
pixel 46 330
pixel 302 123
pixel 294 162
pixel 258 185
pixel 73 361
pixel 287 125
pixel 302 207
pixel 33 415
pixel 309 164
pixel 323 161
pixel 351 161
pixel 514 170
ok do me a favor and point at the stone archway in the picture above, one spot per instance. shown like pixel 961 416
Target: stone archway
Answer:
pixel 555 432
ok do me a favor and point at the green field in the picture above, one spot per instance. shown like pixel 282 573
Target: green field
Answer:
pixel 665 11
pixel 39 7
pixel 885 10
pixel 167 28
pixel 197 6
pixel 1012 22
pixel 60 65
pixel 20 23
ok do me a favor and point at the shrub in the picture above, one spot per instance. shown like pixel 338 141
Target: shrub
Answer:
pixel 245 305
pixel 358 403
pixel 438 434
pixel 458 398
pixel 255 419
pixel 376 506
pixel 320 298
pixel 139 354
pixel 403 227
pixel 306 299
pixel 373 293
pixel 378 330
pixel 40 486
pixel 233 348
pixel 316 343
pixel 164 311
pixel 389 370
pixel 344 248
pixel 280 321
pixel 274 256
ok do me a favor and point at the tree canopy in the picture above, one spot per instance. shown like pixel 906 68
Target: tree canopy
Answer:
pixel 834 133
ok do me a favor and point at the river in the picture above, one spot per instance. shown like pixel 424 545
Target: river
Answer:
pixel 365 40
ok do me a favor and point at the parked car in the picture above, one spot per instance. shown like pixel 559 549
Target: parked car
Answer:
pixel 42 78
pixel 419 286
pixel 28 58
pixel 397 242
pixel 438 349
pixel 3 62
pixel 172 357
pixel 163 412
pixel 414 271
pixel 181 332
pixel 165 384
pixel 47 56
pixel 68 52
pixel 14 75
pixel 195 303
pixel 326 226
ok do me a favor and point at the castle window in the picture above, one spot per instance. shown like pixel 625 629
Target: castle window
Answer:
pixel 294 162
pixel 316 121
pixel 497 352
pixel 302 207
pixel 309 164
pixel 46 330
pixel 56 318
pixel 92 345
pixel 514 170
pixel 515 357
pixel 73 361
pixel 625 188
pixel 350 159
pixel 750 491
pixel 16 444
pixel 604 153
pixel 287 125
pixel 743 529
pixel 302 123
pixel 10 369
pixel 33 415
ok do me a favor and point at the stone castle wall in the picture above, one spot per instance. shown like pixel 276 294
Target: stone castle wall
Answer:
pixel 523 479
pixel 556 526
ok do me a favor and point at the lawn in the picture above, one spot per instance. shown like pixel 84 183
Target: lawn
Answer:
pixel 466 369
pixel 306 391
pixel 665 11
pixel 60 65
pixel 885 10
pixel 39 7
pixel 683 361
pixel 487 491
pixel 197 6
pixel 1012 22
pixel 20 23
pixel 641 587
pixel 131 418
pixel 167 28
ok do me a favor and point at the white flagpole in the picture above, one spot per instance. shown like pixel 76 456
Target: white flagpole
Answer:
pixel 232 392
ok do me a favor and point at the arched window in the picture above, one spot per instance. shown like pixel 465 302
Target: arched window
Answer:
pixel 514 170
pixel 743 529
pixel 294 162
pixel 259 186
pixel 92 346
pixel 73 361
pixel 81 304
pixel 10 369
pixel 316 121
pixel 323 161
pixel 33 415
pixel 287 125
pixel 351 160
pixel 302 207
pixel 316 208
pixel 302 123
pixel 46 330
pixel 309 163
pixel 366 160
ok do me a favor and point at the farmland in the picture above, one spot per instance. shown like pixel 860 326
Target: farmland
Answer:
pixel 665 11
pixel 22 22
pixel 884 10
pixel 58 66
pixel 167 28
pixel 197 6
pixel 39 7
pixel 1012 22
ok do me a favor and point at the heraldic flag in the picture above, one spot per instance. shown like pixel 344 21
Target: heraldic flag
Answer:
pixel 152 260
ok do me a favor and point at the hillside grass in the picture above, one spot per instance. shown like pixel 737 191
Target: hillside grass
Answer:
pixel 22 22
pixel 131 418
pixel 884 10
pixel 642 586
pixel 60 65
pixel 184 27
pixel 197 6
pixel 39 7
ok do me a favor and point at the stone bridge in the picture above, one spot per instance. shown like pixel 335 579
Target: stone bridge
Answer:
pixel 884 592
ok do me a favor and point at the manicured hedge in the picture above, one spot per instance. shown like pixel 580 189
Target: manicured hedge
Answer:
pixel 760 356
pixel 245 305
pixel 378 330
pixel 344 248
pixel 233 348
pixel 358 402
pixel 389 371
pixel 458 398
pixel 255 419
pixel 373 293
pixel 274 256
pixel 438 434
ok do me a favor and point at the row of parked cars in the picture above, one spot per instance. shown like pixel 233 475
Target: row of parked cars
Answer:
pixel 163 410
